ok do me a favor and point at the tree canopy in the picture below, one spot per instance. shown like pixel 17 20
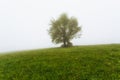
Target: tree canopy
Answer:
pixel 64 29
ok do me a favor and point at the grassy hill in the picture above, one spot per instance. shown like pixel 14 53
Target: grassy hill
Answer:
pixel 97 62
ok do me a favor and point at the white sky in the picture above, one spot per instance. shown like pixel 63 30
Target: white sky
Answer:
pixel 24 23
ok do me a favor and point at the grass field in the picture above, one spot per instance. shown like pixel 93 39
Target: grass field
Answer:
pixel 97 62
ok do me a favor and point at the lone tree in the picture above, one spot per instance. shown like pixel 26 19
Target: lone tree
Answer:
pixel 63 30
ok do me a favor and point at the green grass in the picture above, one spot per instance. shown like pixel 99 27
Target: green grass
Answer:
pixel 97 62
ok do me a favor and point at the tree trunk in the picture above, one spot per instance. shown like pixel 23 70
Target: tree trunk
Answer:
pixel 64 37
pixel 64 43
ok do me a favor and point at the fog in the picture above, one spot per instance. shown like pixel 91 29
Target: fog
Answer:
pixel 24 23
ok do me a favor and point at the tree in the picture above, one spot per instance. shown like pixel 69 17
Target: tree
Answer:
pixel 63 30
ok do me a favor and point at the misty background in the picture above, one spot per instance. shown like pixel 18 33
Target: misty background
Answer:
pixel 24 23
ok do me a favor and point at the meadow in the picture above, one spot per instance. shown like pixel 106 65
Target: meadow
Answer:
pixel 94 62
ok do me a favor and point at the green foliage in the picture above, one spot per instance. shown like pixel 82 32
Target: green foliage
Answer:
pixel 64 29
pixel 75 63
